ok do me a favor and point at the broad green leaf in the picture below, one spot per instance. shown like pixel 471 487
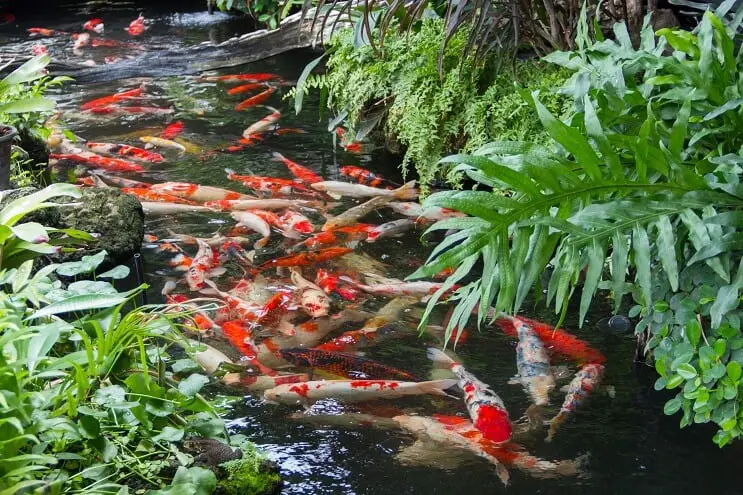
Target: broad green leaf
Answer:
pixel 667 250
pixel 79 303
pixel 29 71
pixel 169 434
pixel 679 130
pixel 619 262
pixel 687 371
pixel 191 385
pixel 31 232
pixel 40 344
pixel 16 209
pixel 299 95
pixel 116 273
pixel 27 105
pixel 730 105
pixel 672 406
pixel 641 250
pixel 734 370
pixel 596 260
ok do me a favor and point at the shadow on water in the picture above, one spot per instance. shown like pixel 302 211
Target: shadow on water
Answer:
pixel 630 446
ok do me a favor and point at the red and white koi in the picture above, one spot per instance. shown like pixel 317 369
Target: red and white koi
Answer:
pixel 486 409
pixel 157 208
pixel 95 25
pixel 260 204
pixel 312 299
pixel 406 191
pixel 120 181
pixel 80 40
pixel 390 229
pixel 300 172
pixel 416 210
pixel 270 185
pixel 39 49
pixel 331 282
pixel 342 235
pixel 255 223
pixel 260 383
pixel 146 194
pixel 172 131
pixel 263 125
pixel 97 161
pixel 198 193
pixel 581 386
pixel 364 176
pixel 204 262
pixel 137 26
pixel 350 391
pixel 131 152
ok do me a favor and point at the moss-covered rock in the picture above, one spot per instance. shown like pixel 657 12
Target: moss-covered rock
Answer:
pixel 116 218
pixel 253 474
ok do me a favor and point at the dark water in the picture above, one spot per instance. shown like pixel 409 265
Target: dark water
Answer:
pixel 631 447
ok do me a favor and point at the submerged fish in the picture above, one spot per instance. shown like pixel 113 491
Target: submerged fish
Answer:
pixel 173 130
pixel 199 193
pixel 231 78
pixel 155 208
pixel 255 100
pixel 364 176
pixel 97 161
pixel 147 194
pixel 390 229
pixel 260 383
pixel 136 27
pixel 300 172
pixel 341 235
pixel 305 259
pixel 353 215
pixel 354 390
pixel 264 124
pixel 581 386
pixel 131 152
pixel 486 409
pixel 312 299
pixel 393 287
pixel 244 88
pixel 343 364
pixel 533 365
pixel 95 25
pixel 37 31
pixel 270 185
pixel 406 191
pixel 255 223
pixel 112 99
pixel 260 204
pixel 163 143
pixel 204 261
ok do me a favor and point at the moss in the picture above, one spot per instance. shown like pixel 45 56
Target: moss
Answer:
pixel 251 475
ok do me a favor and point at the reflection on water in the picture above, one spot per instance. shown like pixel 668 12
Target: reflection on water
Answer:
pixel 630 446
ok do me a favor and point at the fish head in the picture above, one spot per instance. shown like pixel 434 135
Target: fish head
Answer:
pixel 540 387
pixel 315 303
pixel 272 395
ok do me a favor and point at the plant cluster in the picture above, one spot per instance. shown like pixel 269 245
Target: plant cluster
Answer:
pixel 640 194
pixel 96 395
pixel 268 12
pixel 429 113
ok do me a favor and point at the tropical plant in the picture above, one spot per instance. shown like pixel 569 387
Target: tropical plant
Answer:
pixel 268 12
pixel 402 91
pixel 95 404
pixel 640 195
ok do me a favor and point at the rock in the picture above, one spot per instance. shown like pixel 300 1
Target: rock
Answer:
pixel 115 217
pixel 251 475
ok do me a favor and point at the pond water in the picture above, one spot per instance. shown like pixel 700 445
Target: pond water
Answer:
pixel 627 442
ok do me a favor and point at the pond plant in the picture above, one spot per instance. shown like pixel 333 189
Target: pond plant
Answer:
pixel 638 194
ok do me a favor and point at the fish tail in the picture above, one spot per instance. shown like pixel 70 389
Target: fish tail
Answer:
pixel 437 387
pixel 554 425
pixel 440 358
pixel 230 173
pixel 406 191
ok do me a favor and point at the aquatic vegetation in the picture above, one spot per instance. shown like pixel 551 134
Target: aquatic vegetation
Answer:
pixel 641 198
pixel 249 475
pixel 267 12
pixel 428 112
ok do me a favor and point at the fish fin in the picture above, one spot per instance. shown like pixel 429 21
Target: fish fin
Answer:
pixel 440 358
pixel 406 191
pixel 334 195
pixel 260 243
pixel 217 272
pixel 503 474
pixel 437 387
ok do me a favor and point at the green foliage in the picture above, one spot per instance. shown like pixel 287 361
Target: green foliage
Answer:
pixel 248 475
pixel 430 114
pixel 640 194
pixel 267 12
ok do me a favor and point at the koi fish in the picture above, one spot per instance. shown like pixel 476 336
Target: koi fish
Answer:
pixel 432 213
pixel 557 340
pixel 111 99
pixel 364 176
pixel 533 365
pixel 233 78
pixel 390 229
pixel 302 173
pixel 305 259
pixel 349 391
pixel 196 192
pixel 203 262
pixel 393 287
pixel 259 204
pixel 269 185
pixel 238 307
pixel 215 241
pixel 255 100
pixel 210 358
pixel 36 31
pixel 296 222
pixel 260 383
pixel 98 42
pixel 125 150
pixel 172 131
pixel 255 223
pixel 136 27
pixel 241 339
pixel 37 50
pixel 162 143
pixel 97 161
pixel 342 364
pixel 581 386
pixel 264 124
pixel 156 208
pixel 95 25
pixel 80 40
pixel 244 88
pixel 406 191
pixel 289 130
pixel 330 282
pixel 312 299
pixel 180 262
pixel 146 194
pixel 352 215
pixel 121 181
pixel 340 235
pixel 486 409
pixel 115 109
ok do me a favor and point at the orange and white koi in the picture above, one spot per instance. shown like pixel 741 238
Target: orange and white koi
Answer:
pixel 215 241
pixel 264 124
pixel 342 235
pixel 95 25
pixel 305 259
pixel 243 143
pixel 349 391
pixel 204 261
pixel 255 223
pixel 300 172
pixel 486 408
pixel 136 27
pixel 233 78
pixel 238 307
pixel 180 262
pixel 131 152
pixel 244 88
pixel 36 31
pixel 97 161
pixel 255 100
pixel 198 193
pixel 163 143
pixel 158 208
pixel 364 176
pixel 260 204
pixel 428 213
pixel 270 185
pixel 394 287
pixel 406 191
pixel 390 229
pixel 581 386
pixel 116 109
pixel 111 99
pixel 260 383
pixel 39 49
pixel 172 131
pixel 312 299
pixel 80 40
pixel 296 222
pixel 353 215
pixel 331 282
pixel 120 181
pixel 146 194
